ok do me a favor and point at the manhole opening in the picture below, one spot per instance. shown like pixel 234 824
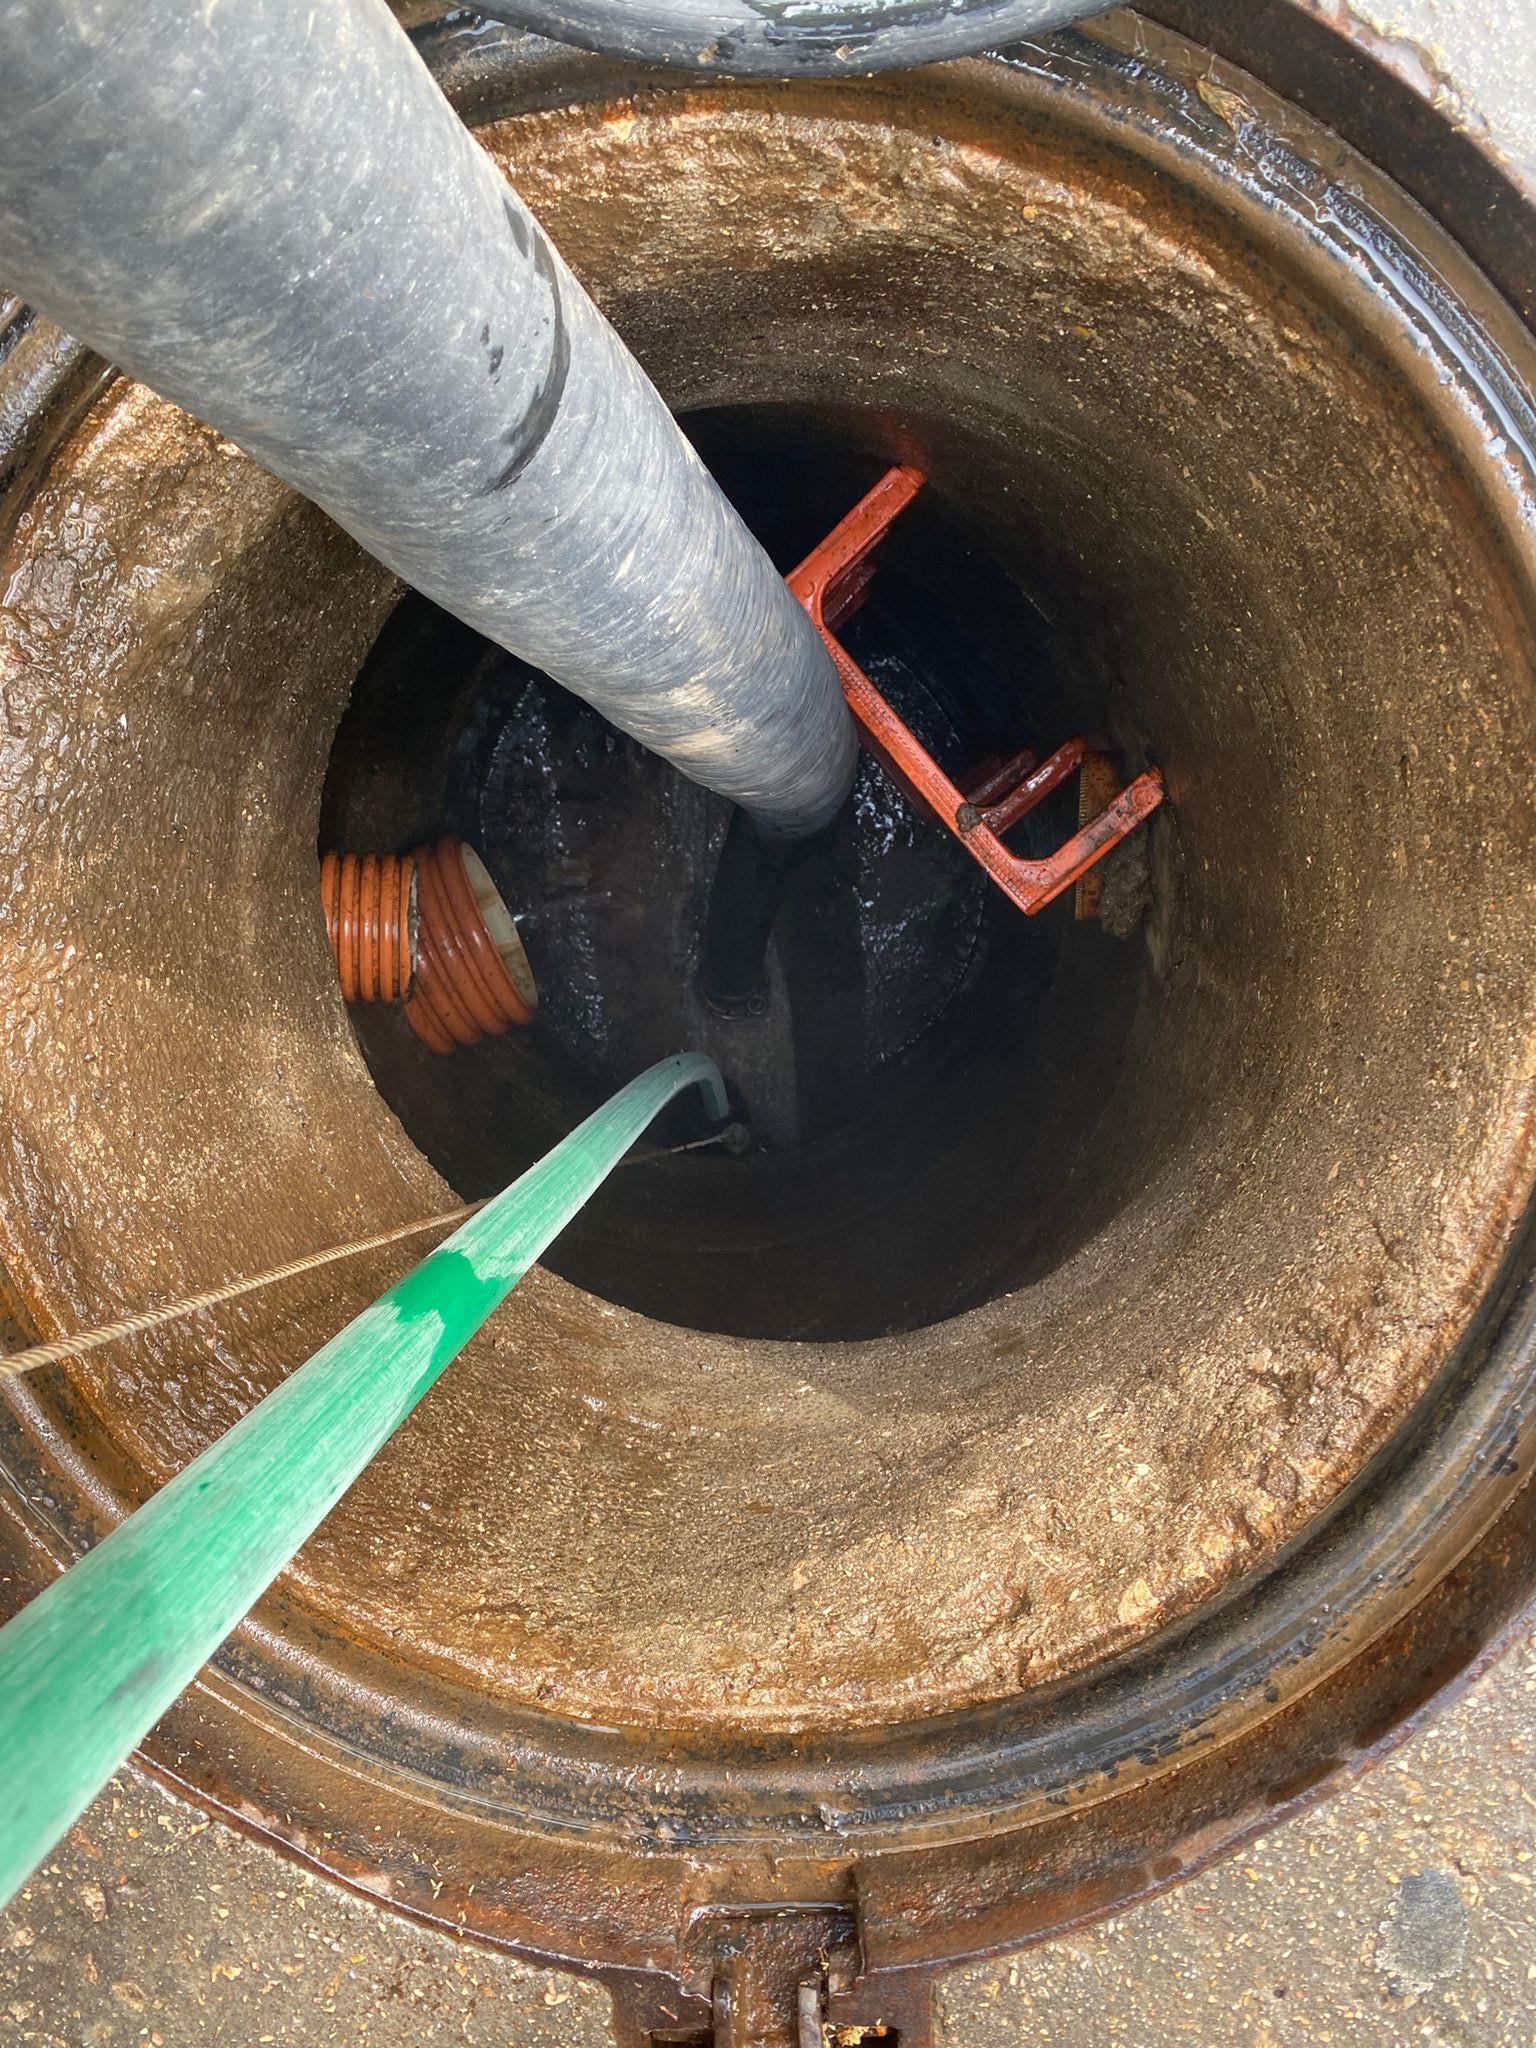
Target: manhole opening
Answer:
pixel 928 1080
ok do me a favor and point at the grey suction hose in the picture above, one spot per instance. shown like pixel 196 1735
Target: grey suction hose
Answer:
pixel 267 211
pixel 789 38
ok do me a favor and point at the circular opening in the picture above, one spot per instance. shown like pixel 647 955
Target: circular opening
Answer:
pixel 1109 1256
pixel 501 925
pixel 925 1085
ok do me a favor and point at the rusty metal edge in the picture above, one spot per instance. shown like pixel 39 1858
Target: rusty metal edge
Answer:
pixel 1389 99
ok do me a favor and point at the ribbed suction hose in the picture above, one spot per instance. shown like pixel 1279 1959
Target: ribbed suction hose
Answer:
pixel 268 211
pixel 810 39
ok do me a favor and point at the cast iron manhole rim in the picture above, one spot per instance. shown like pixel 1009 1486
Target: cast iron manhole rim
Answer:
pixel 1421 1506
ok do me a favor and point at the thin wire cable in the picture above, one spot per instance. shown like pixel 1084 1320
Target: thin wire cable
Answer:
pixel 14 1363
pixel 214 1297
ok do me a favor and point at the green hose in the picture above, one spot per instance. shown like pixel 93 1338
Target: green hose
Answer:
pixel 91 1664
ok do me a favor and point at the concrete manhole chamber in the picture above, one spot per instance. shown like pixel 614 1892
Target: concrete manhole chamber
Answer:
pixel 1101 1414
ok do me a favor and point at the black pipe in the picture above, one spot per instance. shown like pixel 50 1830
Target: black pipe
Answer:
pixel 789 38
pixel 745 897
pixel 266 210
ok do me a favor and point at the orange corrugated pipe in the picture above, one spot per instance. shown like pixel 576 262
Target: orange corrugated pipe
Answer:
pixel 428 929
